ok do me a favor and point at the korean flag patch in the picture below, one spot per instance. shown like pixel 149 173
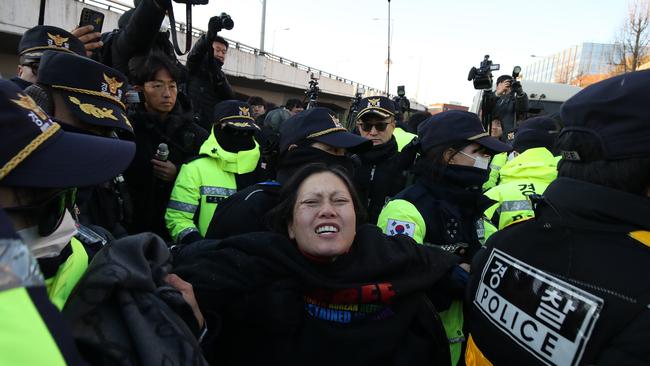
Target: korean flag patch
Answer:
pixel 395 227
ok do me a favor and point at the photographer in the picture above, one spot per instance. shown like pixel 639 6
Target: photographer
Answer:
pixel 509 104
pixel 208 84
pixel 140 31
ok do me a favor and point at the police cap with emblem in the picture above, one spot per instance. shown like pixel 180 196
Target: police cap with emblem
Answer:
pixel 614 113
pixel 320 124
pixel 377 105
pixel 536 132
pixel 234 114
pixel 41 38
pixel 451 126
pixel 36 152
pixel 91 90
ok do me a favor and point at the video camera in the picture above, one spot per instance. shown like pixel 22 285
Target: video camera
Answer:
pixel 402 104
pixel 482 77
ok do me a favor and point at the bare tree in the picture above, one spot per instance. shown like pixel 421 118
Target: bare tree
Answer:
pixel 631 45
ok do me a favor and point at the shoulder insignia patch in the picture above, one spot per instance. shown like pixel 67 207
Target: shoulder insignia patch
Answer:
pixel 395 227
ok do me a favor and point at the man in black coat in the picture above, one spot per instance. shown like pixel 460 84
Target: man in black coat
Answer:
pixel 567 287
pixel 208 84
pixel 162 117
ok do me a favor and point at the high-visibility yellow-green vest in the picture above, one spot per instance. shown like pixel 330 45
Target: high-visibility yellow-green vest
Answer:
pixel 25 338
pixel 402 137
pixel 528 173
pixel 69 273
pixel 497 162
pixel 203 183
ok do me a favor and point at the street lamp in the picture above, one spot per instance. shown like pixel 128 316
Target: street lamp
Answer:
pixel 388 42
pixel 274 31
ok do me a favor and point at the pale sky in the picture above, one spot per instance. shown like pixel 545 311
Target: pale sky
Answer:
pixel 434 44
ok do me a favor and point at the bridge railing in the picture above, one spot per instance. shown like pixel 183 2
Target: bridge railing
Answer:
pixel 119 7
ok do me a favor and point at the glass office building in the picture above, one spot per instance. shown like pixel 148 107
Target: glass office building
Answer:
pixel 571 63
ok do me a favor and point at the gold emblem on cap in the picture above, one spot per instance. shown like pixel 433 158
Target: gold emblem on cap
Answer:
pixel 93 110
pixel 29 104
pixel 113 84
pixel 244 111
pixel 57 39
pixel 373 102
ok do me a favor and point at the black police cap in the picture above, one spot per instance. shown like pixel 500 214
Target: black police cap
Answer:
pixel 615 112
pixel 36 152
pixel 234 114
pixel 320 124
pixel 378 105
pixel 41 38
pixel 451 126
pixel 535 132
pixel 91 90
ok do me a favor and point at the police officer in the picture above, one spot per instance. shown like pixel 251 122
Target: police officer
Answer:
pixel 31 332
pixel 228 162
pixel 312 136
pixel 384 168
pixel 37 40
pixel 40 165
pixel 163 117
pixel 85 96
pixel 565 287
pixel 445 205
pixel 532 168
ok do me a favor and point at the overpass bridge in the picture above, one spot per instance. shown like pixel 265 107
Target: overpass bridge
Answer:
pixel 250 71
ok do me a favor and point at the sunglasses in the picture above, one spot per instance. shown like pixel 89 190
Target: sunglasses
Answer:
pixel 367 127
pixel 49 212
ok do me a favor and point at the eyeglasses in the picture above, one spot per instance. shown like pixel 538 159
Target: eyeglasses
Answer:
pixel 367 127
pixel 49 212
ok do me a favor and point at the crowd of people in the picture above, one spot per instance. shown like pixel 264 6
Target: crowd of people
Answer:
pixel 150 215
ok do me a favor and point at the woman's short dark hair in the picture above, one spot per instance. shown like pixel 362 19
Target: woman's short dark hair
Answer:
pixel 628 175
pixel 433 162
pixel 144 68
pixel 282 214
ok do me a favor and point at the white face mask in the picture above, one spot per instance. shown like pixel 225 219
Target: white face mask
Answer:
pixel 53 244
pixel 479 161
pixel 512 155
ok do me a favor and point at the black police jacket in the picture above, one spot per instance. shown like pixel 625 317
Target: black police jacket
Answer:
pixel 207 84
pixel 382 174
pixel 569 286
pixel 276 307
pixel 149 194
pixel 452 207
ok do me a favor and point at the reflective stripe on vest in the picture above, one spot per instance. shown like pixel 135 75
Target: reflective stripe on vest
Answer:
pixel 217 191
pixel 70 272
pixel 510 206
